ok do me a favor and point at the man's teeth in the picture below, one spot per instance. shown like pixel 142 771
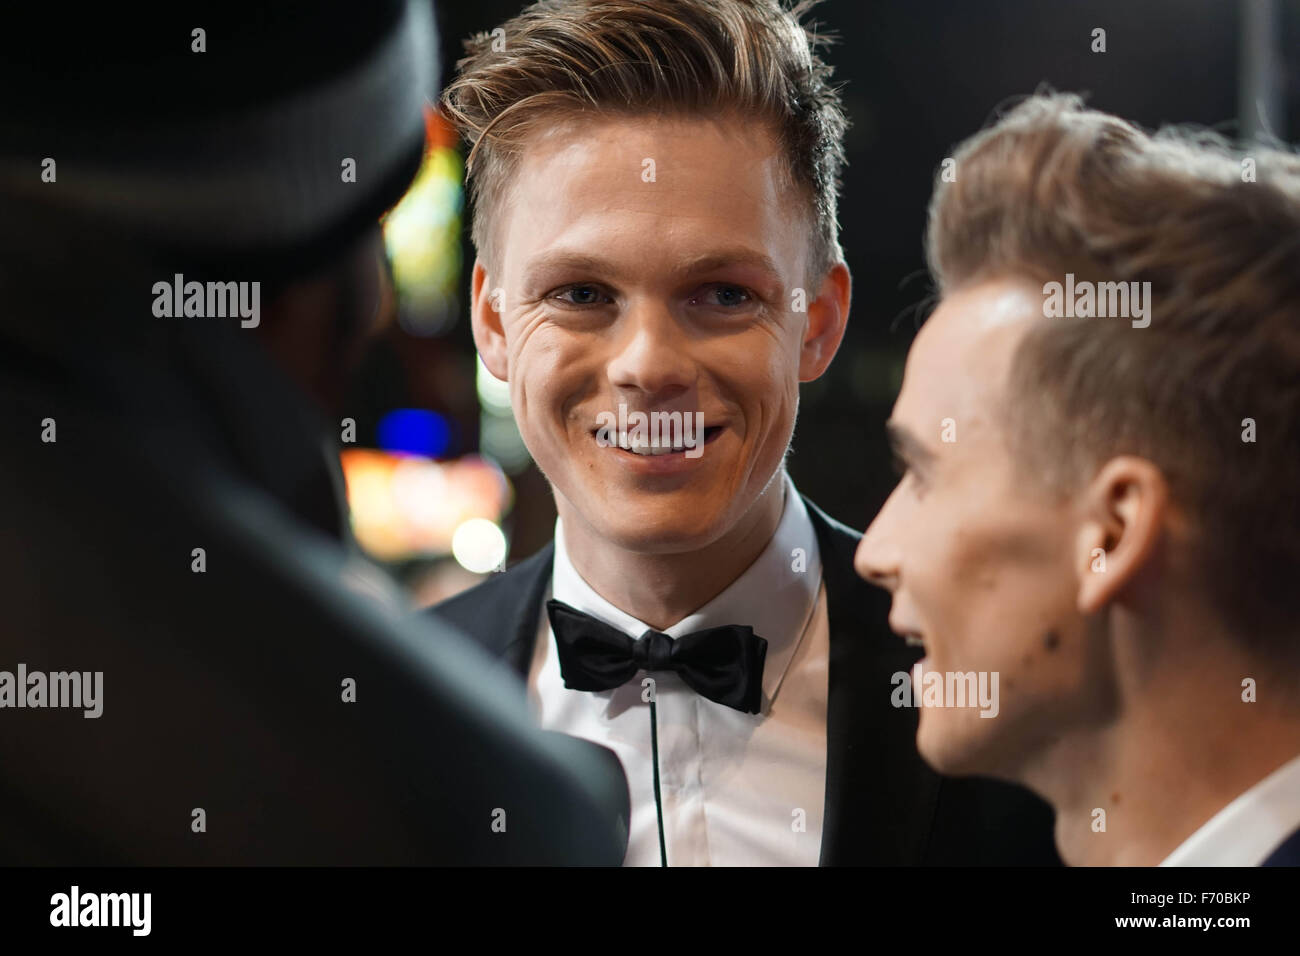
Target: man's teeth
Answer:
pixel 641 447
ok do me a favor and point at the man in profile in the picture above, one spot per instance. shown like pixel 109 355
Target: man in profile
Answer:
pixel 1099 438
pixel 247 687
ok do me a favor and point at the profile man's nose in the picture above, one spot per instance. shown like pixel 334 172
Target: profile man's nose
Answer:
pixel 876 560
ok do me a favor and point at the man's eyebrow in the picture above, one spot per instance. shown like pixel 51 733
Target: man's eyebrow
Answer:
pixel 906 445
pixel 576 261
pixel 731 257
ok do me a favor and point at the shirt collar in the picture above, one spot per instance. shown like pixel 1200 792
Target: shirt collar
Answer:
pixel 776 595
pixel 1248 829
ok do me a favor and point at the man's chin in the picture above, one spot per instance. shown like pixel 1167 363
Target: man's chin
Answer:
pixel 671 520
pixel 652 533
pixel 951 746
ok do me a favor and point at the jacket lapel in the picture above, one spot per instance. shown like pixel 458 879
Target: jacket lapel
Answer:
pixel 502 613
pixel 534 578
pixel 880 796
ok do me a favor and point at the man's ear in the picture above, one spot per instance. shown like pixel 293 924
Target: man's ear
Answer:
pixel 828 316
pixel 485 308
pixel 1125 509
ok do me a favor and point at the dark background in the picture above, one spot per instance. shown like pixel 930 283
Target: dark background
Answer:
pixel 917 77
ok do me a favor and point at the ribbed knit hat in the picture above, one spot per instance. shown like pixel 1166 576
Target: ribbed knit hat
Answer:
pixel 232 130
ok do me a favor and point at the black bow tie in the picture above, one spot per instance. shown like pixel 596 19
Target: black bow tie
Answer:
pixel 724 664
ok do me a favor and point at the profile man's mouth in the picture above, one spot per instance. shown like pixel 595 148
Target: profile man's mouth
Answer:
pixel 911 637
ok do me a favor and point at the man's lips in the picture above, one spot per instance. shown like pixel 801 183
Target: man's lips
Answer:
pixel 910 635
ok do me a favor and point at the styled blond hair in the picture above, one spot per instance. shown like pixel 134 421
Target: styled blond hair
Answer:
pixel 563 59
pixel 1053 188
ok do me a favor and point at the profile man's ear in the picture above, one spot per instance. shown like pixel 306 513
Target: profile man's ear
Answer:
pixel 1126 509
pixel 828 316
pixel 485 309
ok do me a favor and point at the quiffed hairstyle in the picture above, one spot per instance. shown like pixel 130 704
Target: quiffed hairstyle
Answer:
pixel 1054 188
pixel 561 59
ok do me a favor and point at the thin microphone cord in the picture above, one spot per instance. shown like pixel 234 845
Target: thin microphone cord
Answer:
pixel 659 805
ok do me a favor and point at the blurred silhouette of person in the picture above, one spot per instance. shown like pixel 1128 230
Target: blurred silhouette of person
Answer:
pixel 197 666
pixel 1115 530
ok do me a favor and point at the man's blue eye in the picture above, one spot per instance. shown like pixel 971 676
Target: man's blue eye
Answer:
pixel 728 295
pixel 582 295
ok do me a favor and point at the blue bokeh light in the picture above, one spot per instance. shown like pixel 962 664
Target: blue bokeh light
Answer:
pixel 415 431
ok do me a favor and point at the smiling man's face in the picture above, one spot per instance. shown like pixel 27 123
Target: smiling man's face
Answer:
pixel 655 263
pixel 983 566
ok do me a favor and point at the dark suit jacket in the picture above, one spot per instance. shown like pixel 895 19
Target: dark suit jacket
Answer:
pixel 884 806
pixel 1288 854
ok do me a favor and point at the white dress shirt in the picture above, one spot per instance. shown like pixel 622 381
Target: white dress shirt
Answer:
pixel 737 789
pixel 1248 829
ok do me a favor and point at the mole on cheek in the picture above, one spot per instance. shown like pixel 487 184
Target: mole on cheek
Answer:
pixel 1051 640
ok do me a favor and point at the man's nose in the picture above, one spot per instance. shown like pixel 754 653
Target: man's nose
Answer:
pixel 653 354
pixel 877 557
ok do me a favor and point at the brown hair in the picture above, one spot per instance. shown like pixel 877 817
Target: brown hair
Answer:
pixel 1053 188
pixel 561 58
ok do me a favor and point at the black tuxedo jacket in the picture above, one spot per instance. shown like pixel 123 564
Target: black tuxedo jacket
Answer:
pixel 884 805
pixel 1287 854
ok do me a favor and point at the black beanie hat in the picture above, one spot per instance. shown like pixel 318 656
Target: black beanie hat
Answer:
pixel 222 132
